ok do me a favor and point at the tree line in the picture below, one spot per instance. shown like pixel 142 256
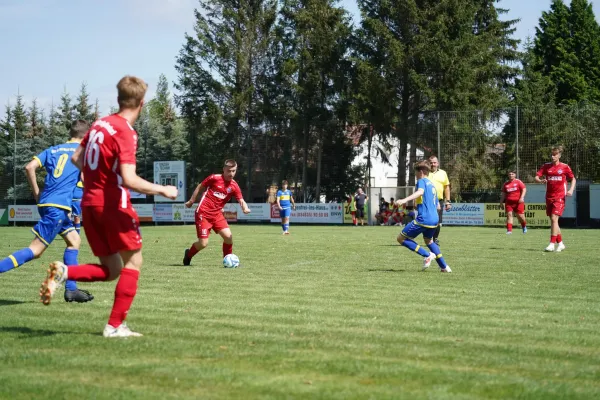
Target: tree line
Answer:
pixel 289 88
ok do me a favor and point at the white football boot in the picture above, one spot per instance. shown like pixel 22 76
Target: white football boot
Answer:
pixel 120 331
pixel 427 261
pixel 560 247
pixel 550 247
pixel 57 275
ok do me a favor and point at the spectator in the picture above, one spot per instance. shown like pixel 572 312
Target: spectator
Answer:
pixel 360 199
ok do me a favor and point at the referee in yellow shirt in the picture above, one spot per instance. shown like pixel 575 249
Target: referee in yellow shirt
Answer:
pixel 442 186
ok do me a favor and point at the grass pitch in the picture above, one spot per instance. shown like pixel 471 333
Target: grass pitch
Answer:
pixel 326 313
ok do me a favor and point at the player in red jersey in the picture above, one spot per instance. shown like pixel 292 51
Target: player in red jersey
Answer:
pixel 209 214
pixel 107 159
pixel 555 175
pixel 513 198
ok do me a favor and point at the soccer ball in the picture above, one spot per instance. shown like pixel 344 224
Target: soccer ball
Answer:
pixel 231 261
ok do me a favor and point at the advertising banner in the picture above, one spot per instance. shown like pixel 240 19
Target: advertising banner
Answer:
pixel 23 213
pixel 144 211
pixel 313 213
pixel 535 214
pixel 464 214
pixel 163 212
pixel 183 214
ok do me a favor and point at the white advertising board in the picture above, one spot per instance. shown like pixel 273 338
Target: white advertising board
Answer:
pixel 313 213
pixel 464 214
pixel 23 213
pixel 170 173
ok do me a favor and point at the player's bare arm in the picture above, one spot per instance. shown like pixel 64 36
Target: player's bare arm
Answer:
pixel 30 169
pixel 522 198
pixel 77 158
pixel 293 203
pixel 199 189
pixel 540 179
pixel 244 206
pixel 447 202
pixel 572 188
pixel 502 199
pixel 418 193
pixel 132 181
pixel 279 204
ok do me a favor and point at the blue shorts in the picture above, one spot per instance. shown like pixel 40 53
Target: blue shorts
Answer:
pixel 412 230
pixel 54 221
pixel 76 208
pixel 285 213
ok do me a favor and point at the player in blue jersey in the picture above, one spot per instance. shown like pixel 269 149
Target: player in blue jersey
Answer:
pixel 54 206
pixel 426 221
pixel 76 206
pixel 285 203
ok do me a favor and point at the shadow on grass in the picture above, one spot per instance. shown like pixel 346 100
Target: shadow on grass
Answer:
pixel 386 270
pixel 28 332
pixel 504 249
pixel 12 302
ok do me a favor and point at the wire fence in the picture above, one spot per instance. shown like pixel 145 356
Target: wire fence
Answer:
pixel 327 161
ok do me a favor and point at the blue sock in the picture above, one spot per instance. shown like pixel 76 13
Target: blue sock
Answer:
pixel 77 227
pixel 283 227
pixel 16 259
pixel 286 227
pixel 411 244
pixel 435 249
pixel 70 258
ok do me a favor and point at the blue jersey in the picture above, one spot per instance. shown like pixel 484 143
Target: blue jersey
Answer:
pixel 78 192
pixel 62 175
pixel 427 204
pixel 285 198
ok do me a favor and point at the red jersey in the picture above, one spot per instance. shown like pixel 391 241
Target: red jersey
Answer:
pixel 218 193
pixel 556 179
pixel 110 142
pixel 512 190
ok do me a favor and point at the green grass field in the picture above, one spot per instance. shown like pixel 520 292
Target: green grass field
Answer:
pixel 326 313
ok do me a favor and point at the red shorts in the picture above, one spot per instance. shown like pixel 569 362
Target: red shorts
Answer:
pixel 205 223
pixel 555 207
pixel 110 231
pixel 510 206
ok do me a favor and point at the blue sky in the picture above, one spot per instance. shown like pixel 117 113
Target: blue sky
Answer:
pixel 50 45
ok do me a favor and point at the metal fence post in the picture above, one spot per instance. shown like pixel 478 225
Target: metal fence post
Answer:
pixel 439 147
pixel 517 139
pixel 15 173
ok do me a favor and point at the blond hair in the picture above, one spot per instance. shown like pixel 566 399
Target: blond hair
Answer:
pixel 557 149
pixel 131 92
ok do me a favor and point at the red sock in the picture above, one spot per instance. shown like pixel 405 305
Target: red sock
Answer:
pixel 552 239
pixel 88 273
pixel 124 294
pixel 227 249
pixel 559 238
pixel 193 251
pixel 509 227
pixel 523 224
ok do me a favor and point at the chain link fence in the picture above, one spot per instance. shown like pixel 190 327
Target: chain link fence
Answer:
pixel 328 162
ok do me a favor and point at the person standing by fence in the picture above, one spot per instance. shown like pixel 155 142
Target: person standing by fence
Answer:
pixel 360 199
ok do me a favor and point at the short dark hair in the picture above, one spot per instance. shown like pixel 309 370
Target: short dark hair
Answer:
pixel 284 182
pixel 78 129
pixel 230 163
pixel 432 156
